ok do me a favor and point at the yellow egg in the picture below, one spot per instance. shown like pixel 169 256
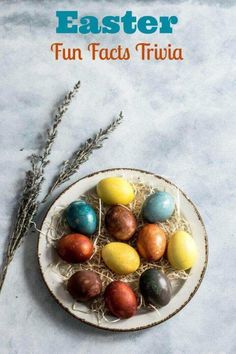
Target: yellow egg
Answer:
pixel 115 190
pixel 120 257
pixel 182 250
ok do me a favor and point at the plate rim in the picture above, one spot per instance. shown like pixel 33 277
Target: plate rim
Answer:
pixel 153 323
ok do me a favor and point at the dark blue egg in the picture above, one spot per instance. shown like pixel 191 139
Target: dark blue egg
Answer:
pixel 158 207
pixel 81 217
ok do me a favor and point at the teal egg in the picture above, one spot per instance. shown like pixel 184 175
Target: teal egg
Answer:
pixel 81 217
pixel 158 207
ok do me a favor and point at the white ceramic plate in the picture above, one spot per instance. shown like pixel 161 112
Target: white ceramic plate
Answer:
pixel 142 320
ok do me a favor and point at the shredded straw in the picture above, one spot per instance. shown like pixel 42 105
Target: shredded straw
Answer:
pixel 58 227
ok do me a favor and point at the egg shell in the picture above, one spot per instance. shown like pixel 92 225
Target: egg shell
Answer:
pixel 120 257
pixel 84 285
pixel 75 248
pixel 120 222
pixel 151 242
pixel 81 217
pixel 158 207
pixel 182 250
pixel 155 287
pixel 115 190
pixel 120 299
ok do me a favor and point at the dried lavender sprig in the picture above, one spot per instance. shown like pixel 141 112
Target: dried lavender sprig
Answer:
pixel 72 165
pixel 52 132
pixel 33 181
pixel 38 163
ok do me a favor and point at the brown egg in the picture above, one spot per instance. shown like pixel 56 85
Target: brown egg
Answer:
pixel 120 299
pixel 84 285
pixel 120 222
pixel 75 248
pixel 151 243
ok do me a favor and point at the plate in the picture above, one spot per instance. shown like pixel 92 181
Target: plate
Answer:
pixel 142 320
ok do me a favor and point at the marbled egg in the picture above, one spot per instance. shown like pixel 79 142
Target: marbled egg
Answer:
pixel 75 248
pixel 84 285
pixel 115 190
pixel 158 207
pixel 155 287
pixel 151 242
pixel 120 299
pixel 120 222
pixel 81 217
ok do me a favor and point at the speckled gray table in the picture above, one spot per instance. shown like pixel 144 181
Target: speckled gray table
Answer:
pixel 180 123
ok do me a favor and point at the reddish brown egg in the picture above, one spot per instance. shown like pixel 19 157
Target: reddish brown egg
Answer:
pixel 120 222
pixel 151 243
pixel 120 299
pixel 75 248
pixel 84 285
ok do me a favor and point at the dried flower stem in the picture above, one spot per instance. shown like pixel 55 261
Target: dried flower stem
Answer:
pixel 28 205
pixel 72 165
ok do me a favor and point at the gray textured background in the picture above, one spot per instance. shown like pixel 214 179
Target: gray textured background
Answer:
pixel 180 123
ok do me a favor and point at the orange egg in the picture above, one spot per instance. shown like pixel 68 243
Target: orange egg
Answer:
pixel 151 243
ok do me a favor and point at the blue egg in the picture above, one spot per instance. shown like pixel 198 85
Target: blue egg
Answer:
pixel 81 217
pixel 158 207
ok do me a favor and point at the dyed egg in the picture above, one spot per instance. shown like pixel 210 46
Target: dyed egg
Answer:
pixel 75 248
pixel 182 250
pixel 81 217
pixel 158 207
pixel 84 285
pixel 155 287
pixel 151 242
pixel 115 190
pixel 120 257
pixel 120 299
pixel 120 222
